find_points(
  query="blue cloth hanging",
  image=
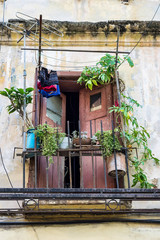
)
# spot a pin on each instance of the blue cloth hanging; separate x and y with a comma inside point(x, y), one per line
point(50, 94)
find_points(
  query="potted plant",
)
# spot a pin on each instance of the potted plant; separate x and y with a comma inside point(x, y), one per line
point(16, 97)
point(50, 138)
point(137, 136)
point(84, 139)
point(103, 72)
point(108, 145)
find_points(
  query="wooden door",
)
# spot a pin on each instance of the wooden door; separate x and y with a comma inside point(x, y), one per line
point(94, 106)
point(53, 111)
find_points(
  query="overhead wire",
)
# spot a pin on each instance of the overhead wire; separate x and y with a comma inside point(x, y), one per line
point(67, 66)
point(66, 60)
point(140, 37)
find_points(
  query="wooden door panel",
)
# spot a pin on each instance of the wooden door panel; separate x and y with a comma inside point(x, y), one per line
point(53, 111)
point(99, 113)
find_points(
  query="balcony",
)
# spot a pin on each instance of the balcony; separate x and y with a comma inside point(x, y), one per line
point(94, 200)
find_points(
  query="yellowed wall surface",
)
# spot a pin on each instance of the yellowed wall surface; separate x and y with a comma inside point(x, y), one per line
point(83, 10)
point(102, 231)
point(142, 83)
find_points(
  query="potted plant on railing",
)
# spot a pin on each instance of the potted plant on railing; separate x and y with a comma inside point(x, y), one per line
point(83, 138)
point(50, 138)
point(17, 97)
point(137, 136)
point(108, 145)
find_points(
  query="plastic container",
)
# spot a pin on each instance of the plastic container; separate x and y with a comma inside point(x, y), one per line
point(31, 139)
point(64, 144)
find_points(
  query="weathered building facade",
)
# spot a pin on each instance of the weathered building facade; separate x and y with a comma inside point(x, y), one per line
point(86, 25)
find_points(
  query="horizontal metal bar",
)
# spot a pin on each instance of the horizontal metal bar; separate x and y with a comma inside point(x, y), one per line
point(73, 212)
point(72, 50)
point(88, 196)
point(79, 190)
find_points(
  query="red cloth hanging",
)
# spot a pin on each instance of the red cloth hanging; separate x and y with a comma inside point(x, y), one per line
point(47, 88)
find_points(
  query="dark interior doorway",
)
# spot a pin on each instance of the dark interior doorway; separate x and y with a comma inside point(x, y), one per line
point(72, 115)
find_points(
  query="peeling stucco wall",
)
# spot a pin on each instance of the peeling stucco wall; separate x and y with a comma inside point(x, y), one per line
point(101, 231)
point(142, 83)
point(83, 10)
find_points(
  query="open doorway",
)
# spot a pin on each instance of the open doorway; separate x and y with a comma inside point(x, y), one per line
point(72, 115)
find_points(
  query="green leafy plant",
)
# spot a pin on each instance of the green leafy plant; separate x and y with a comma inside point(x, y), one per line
point(137, 136)
point(16, 97)
point(103, 72)
point(107, 142)
point(50, 138)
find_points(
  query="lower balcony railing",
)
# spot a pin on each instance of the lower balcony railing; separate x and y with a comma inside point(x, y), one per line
point(95, 192)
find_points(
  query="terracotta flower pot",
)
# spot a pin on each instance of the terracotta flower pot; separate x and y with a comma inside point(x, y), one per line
point(121, 165)
point(84, 141)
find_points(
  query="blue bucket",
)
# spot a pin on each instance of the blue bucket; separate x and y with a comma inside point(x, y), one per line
point(31, 139)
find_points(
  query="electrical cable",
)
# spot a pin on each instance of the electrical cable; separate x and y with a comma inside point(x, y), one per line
point(67, 66)
point(140, 37)
point(66, 60)
point(7, 174)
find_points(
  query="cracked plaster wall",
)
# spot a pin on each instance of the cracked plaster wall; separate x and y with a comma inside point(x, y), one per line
point(83, 10)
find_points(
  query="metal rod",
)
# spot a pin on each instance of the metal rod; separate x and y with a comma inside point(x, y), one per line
point(35, 159)
point(104, 161)
point(40, 40)
point(79, 196)
point(116, 73)
point(93, 169)
point(115, 160)
point(80, 157)
point(126, 158)
point(70, 170)
point(68, 132)
point(71, 50)
point(47, 168)
point(24, 170)
point(24, 104)
point(58, 170)
point(115, 191)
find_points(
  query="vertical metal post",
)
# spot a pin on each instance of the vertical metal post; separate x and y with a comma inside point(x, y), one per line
point(36, 99)
point(68, 132)
point(69, 153)
point(93, 169)
point(47, 183)
point(58, 158)
point(116, 73)
point(80, 157)
point(24, 112)
point(115, 160)
point(126, 158)
point(24, 175)
point(104, 161)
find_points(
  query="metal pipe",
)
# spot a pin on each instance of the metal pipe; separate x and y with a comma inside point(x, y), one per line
point(71, 50)
point(24, 104)
point(119, 220)
point(115, 160)
point(126, 159)
point(104, 161)
point(47, 168)
point(115, 191)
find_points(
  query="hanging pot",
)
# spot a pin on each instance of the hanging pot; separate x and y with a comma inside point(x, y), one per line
point(121, 165)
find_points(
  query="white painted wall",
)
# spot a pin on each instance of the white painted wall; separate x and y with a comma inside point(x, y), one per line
point(83, 10)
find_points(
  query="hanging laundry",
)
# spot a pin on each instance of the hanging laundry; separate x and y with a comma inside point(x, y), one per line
point(47, 88)
point(47, 78)
point(50, 94)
